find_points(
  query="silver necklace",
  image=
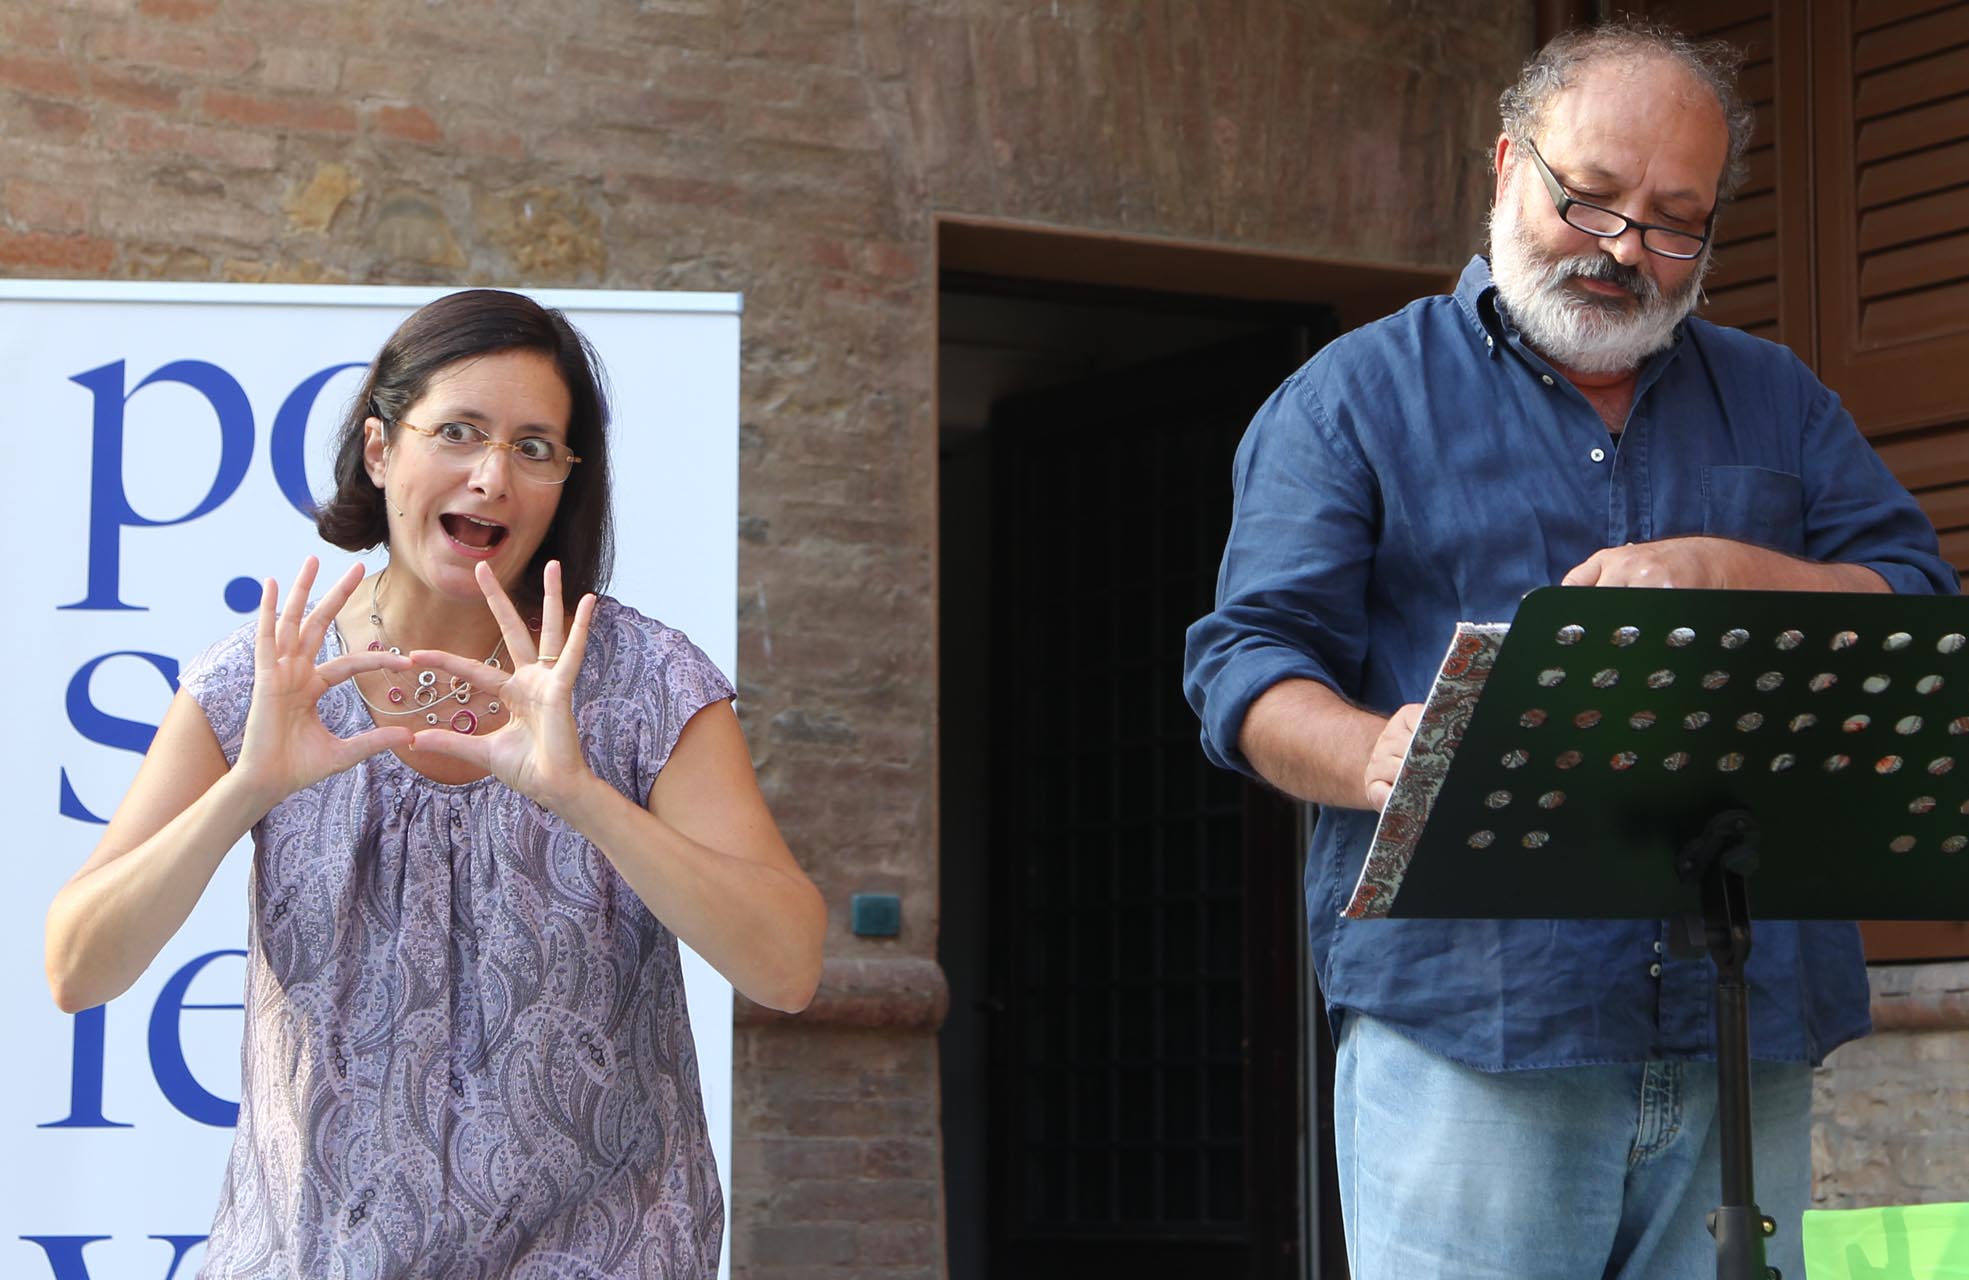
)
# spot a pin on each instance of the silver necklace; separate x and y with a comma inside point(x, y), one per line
point(426, 698)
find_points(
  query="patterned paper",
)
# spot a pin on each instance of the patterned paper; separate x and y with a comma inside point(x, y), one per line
point(1445, 715)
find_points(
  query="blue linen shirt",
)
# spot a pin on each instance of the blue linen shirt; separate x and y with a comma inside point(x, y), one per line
point(1430, 468)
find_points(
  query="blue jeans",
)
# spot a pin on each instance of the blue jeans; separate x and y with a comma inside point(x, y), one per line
point(1573, 1173)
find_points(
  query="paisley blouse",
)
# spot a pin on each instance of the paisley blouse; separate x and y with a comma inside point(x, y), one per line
point(466, 1049)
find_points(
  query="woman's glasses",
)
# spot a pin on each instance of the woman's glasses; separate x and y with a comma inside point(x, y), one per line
point(463, 444)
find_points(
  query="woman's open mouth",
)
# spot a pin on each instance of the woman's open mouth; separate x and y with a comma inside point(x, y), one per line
point(471, 532)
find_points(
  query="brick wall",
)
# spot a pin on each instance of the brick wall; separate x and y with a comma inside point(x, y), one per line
point(796, 151)
point(1891, 1112)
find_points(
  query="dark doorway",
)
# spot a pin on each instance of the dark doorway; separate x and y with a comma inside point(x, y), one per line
point(1133, 1073)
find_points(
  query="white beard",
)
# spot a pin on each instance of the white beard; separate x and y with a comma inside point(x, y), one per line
point(1575, 330)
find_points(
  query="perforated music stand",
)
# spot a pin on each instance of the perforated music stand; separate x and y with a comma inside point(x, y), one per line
point(1638, 754)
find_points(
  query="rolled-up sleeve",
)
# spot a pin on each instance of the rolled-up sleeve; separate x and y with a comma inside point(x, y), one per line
point(1292, 590)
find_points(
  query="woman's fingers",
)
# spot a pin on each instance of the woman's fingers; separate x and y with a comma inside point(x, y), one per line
point(263, 637)
point(360, 746)
point(519, 642)
point(287, 630)
point(477, 673)
point(338, 669)
point(315, 626)
point(552, 610)
point(460, 746)
point(576, 648)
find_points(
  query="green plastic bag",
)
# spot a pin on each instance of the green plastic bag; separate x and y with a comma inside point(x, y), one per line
point(1900, 1242)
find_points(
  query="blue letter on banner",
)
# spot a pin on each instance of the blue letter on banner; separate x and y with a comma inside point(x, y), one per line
point(104, 729)
point(85, 1081)
point(167, 1050)
point(109, 506)
point(65, 1253)
point(290, 437)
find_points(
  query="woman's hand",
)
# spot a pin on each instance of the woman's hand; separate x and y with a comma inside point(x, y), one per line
point(286, 747)
point(702, 852)
point(537, 752)
point(187, 808)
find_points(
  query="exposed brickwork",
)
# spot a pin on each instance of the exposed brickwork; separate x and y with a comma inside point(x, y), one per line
point(41, 206)
point(825, 1190)
point(797, 151)
point(409, 124)
point(35, 252)
point(1891, 1112)
point(166, 46)
point(304, 113)
point(178, 10)
point(44, 75)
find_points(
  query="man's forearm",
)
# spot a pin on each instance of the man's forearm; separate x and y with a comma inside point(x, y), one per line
point(1780, 572)
point(1311, 743)
point(1703, 561)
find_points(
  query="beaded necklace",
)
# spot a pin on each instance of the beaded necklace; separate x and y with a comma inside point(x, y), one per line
point(426, 698)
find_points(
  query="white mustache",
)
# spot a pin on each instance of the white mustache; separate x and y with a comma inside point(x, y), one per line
point(1599, 267)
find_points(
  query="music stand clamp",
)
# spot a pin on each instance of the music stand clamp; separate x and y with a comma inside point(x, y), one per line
point(1637, 754)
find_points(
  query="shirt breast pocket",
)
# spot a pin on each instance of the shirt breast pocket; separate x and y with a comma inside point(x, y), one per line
point(1756, 505)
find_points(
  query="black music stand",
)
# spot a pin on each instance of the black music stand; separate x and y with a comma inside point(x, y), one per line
point(1639, 754)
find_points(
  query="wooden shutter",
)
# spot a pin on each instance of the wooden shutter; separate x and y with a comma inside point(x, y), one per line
point(1892, 144)
point(1761, 280)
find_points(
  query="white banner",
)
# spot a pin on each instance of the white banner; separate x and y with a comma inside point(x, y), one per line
point(162, 441)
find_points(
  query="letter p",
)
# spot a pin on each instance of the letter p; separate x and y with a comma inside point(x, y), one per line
point(109, 506)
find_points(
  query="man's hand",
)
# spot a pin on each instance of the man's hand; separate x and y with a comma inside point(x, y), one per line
point(1716, 563)
point(1313, 744)
point(1672, 562)
point(1385, 760)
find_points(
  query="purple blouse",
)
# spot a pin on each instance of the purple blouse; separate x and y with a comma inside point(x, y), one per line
point(466, 1050)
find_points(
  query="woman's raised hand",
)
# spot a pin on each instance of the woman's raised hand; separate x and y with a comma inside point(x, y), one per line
point(537, 752)
point(286, 746)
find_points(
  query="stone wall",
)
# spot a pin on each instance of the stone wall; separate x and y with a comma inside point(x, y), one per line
point(1891, 1112)
point(799, 152)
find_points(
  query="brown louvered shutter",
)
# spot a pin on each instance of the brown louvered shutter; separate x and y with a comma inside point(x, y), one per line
point(1892, 143)
point(1761, 281)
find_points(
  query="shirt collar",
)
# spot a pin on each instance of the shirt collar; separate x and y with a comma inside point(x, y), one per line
point(1476, 297)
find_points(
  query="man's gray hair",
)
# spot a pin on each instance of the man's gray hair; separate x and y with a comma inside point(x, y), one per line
point(1713, 63)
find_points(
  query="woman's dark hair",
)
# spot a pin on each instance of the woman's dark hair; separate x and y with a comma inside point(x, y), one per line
point(461, 326)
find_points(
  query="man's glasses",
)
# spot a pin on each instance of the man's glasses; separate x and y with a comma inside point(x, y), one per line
point(462, 444)
point(1668, 242)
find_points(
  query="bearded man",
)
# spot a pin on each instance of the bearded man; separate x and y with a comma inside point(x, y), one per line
point(1521, 1099)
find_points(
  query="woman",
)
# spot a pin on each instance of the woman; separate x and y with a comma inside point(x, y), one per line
point(479, 827)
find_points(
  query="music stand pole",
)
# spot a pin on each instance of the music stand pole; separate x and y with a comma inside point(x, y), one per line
point(1720, 861)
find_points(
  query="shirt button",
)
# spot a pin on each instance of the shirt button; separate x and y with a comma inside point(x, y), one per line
point(1545, 378)
point(1489, 341)
point(1657, 948)
point(1599, 455)
point(1654, 971)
